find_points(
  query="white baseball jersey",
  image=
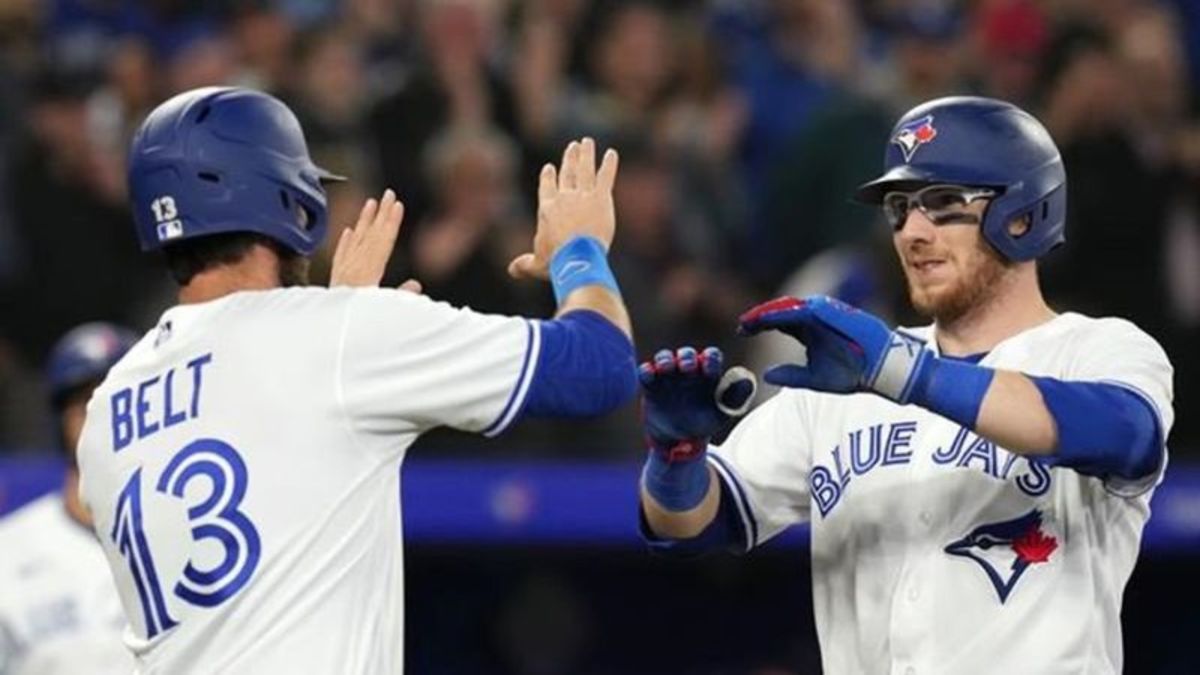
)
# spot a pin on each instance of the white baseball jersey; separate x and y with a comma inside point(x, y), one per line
point(59, 610)
point(242, 463)
point(934, 550)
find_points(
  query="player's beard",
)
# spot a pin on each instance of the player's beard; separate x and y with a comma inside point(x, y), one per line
point(983, 279)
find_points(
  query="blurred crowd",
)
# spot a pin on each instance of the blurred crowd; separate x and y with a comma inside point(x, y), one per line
point(742, 125)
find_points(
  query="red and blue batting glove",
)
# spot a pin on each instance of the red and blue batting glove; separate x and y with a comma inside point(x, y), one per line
point(687, 398)
point(851, 350)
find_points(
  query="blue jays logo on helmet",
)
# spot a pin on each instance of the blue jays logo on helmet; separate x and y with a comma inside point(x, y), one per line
point(85, 355)
point(913, 135)
point(1006, 549)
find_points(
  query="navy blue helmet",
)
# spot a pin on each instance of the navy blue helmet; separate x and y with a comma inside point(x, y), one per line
point(85, 355)
point(226, 159)
point(982, 142)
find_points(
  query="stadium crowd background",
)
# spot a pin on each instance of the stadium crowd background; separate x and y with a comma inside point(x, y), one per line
point(743, 127)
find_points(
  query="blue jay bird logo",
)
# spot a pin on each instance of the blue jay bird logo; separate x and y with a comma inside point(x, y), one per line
point(915, 134)
point(1005, 550)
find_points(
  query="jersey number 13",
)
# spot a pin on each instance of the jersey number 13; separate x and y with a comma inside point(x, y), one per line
point(216, 517)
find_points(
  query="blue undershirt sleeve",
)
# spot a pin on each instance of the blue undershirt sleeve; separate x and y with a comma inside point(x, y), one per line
point(585, 368)
point(1103, 429)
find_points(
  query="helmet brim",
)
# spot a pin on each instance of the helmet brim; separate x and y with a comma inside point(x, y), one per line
point(903, 177)
point(326, 176)
point(907, 177)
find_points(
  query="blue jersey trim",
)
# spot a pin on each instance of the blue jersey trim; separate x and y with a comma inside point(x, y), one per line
point(749, 524)
point(516, 400)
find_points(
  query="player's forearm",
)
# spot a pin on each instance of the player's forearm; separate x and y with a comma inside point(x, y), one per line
point(1014, 416)
point(602, 301)
point(686, 524)
point(1098, 428)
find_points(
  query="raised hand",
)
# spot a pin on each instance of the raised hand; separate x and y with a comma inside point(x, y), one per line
point(848, 349)
point(573, 200)
point(363, 250)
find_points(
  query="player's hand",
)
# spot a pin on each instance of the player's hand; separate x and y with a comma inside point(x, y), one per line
point(573, 200)
point(363, 250)
point(848, 349)
point(688, 397)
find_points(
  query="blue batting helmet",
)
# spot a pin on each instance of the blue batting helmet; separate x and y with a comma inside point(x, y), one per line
point(85, 355)
point(982, 142)
point(225, 159)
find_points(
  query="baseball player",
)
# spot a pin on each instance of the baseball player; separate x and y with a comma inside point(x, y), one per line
point(976, 488)
point(241, 462)
point(59, 610)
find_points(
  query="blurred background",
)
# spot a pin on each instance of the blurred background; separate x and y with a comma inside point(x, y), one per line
point(743, 127)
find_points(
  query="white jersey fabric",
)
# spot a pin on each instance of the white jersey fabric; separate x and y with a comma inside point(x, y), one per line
point(242, 465)
point(933, 550)
point(59, 610)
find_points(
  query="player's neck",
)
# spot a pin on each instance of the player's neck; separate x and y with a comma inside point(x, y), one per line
point(71, 502)
point(257, 271)
point(1013, 308)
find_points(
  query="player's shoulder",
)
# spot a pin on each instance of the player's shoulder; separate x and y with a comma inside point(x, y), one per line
point(292, 317)
point(315, 302)
point(1077, 328)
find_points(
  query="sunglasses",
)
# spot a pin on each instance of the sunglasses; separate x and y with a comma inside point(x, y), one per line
point(942, 204)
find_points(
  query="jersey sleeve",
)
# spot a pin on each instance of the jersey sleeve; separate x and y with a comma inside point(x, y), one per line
point(1117, 352)
point(765, 463)
point(407, 363)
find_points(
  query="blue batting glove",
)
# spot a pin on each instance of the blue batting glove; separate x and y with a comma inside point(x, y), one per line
point(688, 398)
point(849, 350)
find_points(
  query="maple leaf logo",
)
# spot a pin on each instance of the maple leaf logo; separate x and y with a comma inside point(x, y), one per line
point(1034, 546)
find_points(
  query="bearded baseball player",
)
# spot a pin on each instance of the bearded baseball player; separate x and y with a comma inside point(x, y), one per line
point(242, 461)
point(976, 488)
point(59, 610)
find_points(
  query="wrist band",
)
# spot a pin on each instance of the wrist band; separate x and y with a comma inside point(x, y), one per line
point(580, 262)
point(678, 485)
point(952, 389)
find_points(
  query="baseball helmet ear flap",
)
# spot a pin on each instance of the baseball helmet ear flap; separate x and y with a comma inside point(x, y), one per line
point(1041, 201)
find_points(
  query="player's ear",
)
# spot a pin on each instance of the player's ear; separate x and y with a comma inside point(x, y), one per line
point(1019, 227)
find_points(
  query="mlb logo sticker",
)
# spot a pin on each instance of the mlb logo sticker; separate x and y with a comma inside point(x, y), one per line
point(915, 134)
point(170, 230)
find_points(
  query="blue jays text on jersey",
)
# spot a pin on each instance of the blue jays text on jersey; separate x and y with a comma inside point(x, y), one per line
point(883, 445)
point(133, 408)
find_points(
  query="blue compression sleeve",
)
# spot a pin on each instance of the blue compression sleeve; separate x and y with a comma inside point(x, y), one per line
point(725, 533)
point(585, 368)
point(1103, 429)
